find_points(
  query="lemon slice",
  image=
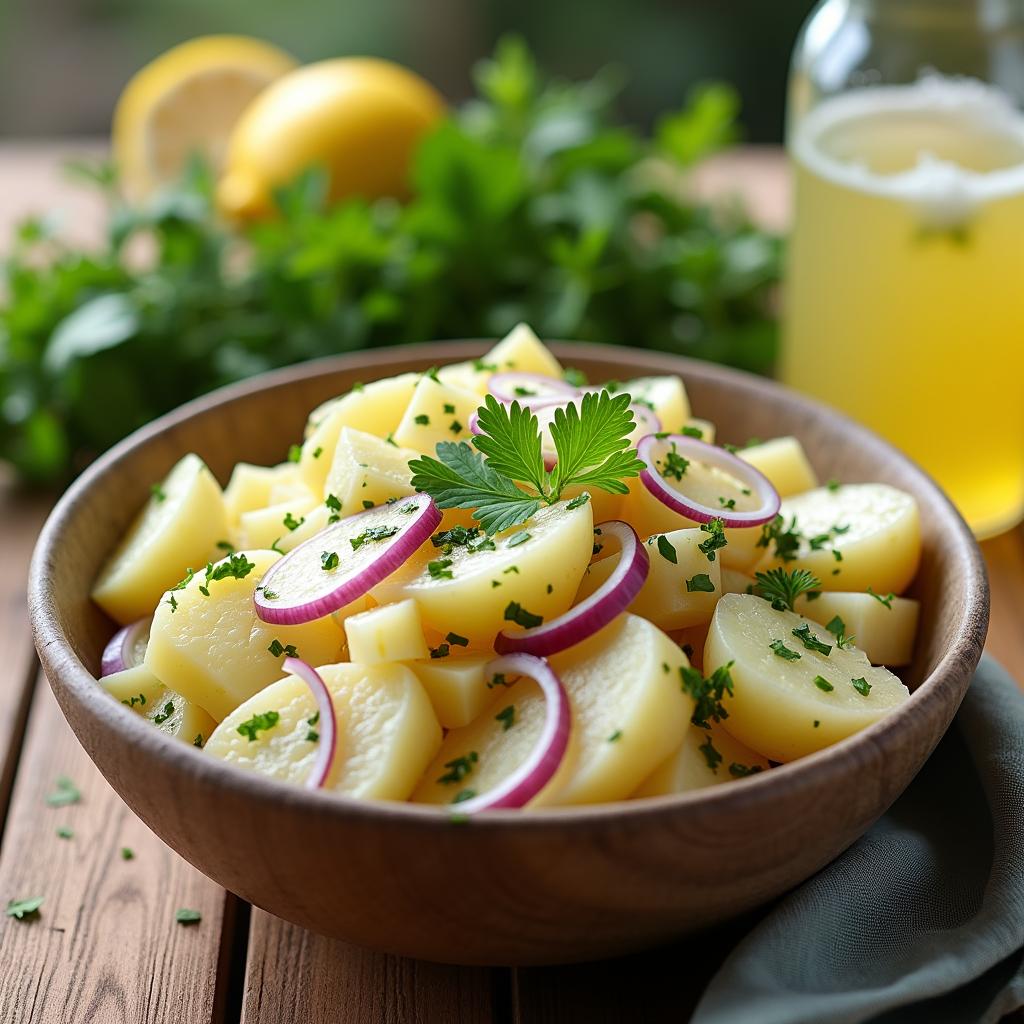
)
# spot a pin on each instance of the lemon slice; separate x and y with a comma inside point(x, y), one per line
point(186, 102)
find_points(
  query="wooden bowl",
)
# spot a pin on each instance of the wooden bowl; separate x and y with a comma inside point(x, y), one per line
point(509, 887)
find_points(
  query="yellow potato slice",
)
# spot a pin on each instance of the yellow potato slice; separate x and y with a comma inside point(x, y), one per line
point(457, 686)
point(521, 349)
point(390, 632)
point(880, 542)
point(180, 525)
point(884, 626)
point(706, 757)
point(785, 463)
point(736, 582)
point(250, 488)
point(169, 711)
point(387, 731)
point(538, 566)
point(664, 396)
point(372, 408)
point(436, 412)
point(215, 651)
point(471, 375)
point(777, 708)
point(313, 521)
point(367, 471)
point(267, 527)
point(675, 594)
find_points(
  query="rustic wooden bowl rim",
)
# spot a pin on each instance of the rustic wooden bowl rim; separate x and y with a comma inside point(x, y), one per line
point(67, 672)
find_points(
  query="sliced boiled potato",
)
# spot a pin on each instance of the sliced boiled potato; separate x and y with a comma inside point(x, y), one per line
point(736, 582)
point(470, 588)
point(367, 471)
point(706, 757)
point(786, 707)
point(470, 375)
point(250, 487)
point(180, 525)
point(290, 486)
point(785, 463)
point(682, 586)
point(436, 412)
point(457, 686)
point(170, 712)
point(884, 626)
point(664, 396)
point(372, 408)
point(389, 632)
point(874, 528)
point(215, 651)
point(521, 349)
point(387, 731)
point(313, 521)
point(629, 711)
point(649, 516)
point(267, 527)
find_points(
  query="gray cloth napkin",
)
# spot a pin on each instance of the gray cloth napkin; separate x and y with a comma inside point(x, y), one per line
point(922, 920)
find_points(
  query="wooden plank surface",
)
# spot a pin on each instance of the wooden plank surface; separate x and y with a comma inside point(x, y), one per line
point(104, 946)
point(294, 975)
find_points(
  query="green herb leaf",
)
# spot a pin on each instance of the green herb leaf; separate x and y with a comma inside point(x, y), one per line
point(810, 641)
point(782, 588)
point(666, 550)
point(507, 717)
point(861, 685)
point(515, 612)
point(257, 724)
point(22, 909)
point(823, 684)
point(700, 584)
point(66, 792)
point(186, 916)
point(780, 648)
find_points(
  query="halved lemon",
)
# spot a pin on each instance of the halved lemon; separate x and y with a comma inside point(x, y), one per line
point(187, 102)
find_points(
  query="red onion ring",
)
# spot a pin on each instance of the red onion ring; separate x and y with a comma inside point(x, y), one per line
point(593, 613)
point(718, 458)
point(126, 648)
point(315, 592)
point(544, 760)
point(326, 724)
point(504, 387)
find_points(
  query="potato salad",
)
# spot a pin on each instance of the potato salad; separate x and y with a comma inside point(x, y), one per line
point(495, 584)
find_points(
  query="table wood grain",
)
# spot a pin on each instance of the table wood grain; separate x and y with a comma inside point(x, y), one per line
point(105, 946)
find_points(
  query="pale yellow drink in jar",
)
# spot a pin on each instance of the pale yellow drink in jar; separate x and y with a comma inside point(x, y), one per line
point(905, 291)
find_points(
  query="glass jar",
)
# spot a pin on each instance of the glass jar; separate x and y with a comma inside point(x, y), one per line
point(905, 285)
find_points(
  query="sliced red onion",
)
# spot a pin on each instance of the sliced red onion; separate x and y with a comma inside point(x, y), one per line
point(298, 588)
point(595, 612)
point(528, 388)
point(326, 725)
point(718, 458)
point(539, 768)
point(127, 648)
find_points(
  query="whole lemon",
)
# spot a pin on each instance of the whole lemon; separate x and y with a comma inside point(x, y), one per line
point(359, 118)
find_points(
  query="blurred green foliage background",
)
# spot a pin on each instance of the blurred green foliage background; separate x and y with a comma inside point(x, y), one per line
point(63, 62)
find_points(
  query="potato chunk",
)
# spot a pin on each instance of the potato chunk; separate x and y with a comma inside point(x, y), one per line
point(706, 757)
point(521, 349)
point(457, 686)
point(215, 651)
point(436, 412)
point(665, 396)
point(180, 525)
point(676, 593)
point(874, 528)
point(367, 471)
point(789, 700)
point(267, 527)
point(470, 588)
point(372, 408)
point(784, 462)
point(884, 628)
point(470, 375)
point(169, 711)
point(387, 732)
point(250, 488)
point(390, 632)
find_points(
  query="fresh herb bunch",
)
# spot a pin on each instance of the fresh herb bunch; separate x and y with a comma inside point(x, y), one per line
point(532, 203)
point(511, 483)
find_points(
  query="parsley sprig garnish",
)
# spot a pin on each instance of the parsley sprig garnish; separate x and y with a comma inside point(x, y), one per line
point(505, 480)
point(782, 588)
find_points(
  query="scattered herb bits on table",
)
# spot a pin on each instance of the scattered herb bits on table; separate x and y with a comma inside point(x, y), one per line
point(493, 584)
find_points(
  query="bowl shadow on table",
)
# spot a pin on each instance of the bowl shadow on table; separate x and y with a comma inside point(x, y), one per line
point(563, 885)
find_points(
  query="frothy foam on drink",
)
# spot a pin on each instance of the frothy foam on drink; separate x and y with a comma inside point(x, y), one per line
point(944, 193)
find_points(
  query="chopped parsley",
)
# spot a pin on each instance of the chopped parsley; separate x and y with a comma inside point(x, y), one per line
point(516, 613)
point(440, 651)
point(577, 378)
point(21, 909)
point(716, 539)
point(711, 754)
point(294, 453)
point(707, 693)
point(688, 431)
point(367, 504)
point(780, 648)
point(741, 771)
point(277, 649)
point(810, 641)
point(700, 584)
point(615, 736)
point(162, 716)
point(727, 503)
point(158, 493)
point(861, 685)
point(226, 546)
point(455, 427)
point(519, 538)
point(579, 501)
point(258, 723)
point(887, 601)
point(133, 700)
point(65, 793)
point(837, 628)
point(198, 740)
point(234, 567)
point(507, 717)
point(439, 570)
point(186, 916)
point(459, 768)
point(334, 507)
point(782, 588)
point(457, 641)
point(498, 679)
point(422, 420)
point(373, 533)
point(317, 452)
point(823, 684)
point(674, 465)
point(329, 560)
point(449, 409)
point(65, 833)
point(127, 853)
point(786, 541)
point(173, 602)
point(462, 796)
point(666, 550)
point(291, 523)
point(833, 485)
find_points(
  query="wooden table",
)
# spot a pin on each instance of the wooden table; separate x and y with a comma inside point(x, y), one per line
point(106, 947)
